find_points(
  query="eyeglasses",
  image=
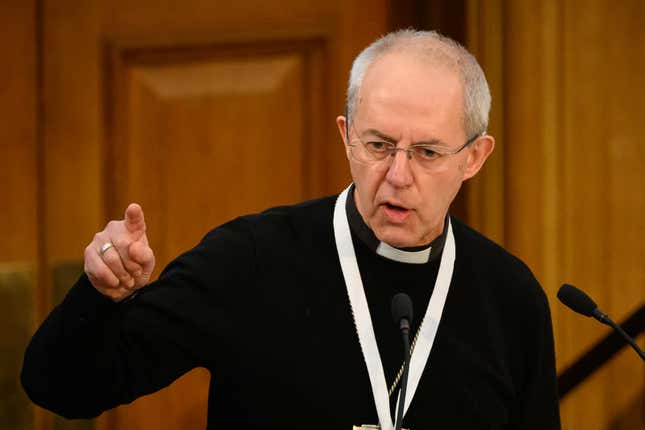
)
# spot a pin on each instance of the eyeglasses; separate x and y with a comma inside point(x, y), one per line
point(426, 156)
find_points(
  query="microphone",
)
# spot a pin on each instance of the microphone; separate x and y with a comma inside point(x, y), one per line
point(402, 311)
point(581, 303)
point(402, 315)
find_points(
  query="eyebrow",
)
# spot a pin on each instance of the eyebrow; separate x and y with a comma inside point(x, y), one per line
point(385, 137)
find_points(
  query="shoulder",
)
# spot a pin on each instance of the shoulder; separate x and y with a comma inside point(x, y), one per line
point(238, 251)
point(275, 231)
point(480, 250)
point(293, 222)
point(500, 274)
point(320, 208)
point(276, 218)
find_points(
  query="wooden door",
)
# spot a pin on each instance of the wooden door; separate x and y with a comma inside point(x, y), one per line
point(198, 110)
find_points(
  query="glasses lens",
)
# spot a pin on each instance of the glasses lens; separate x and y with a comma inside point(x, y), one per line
point(370, 152)
point(425, 154)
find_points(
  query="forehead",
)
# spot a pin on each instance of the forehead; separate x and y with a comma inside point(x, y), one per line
point(404, 94)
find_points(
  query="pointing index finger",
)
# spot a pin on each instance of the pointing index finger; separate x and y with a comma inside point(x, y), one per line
point(134, 220)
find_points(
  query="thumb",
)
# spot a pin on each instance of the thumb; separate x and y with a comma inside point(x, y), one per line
point(134, 220)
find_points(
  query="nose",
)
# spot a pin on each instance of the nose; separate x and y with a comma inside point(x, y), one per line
point(399, 174)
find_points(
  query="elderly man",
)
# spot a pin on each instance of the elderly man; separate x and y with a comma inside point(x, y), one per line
point(290, 308)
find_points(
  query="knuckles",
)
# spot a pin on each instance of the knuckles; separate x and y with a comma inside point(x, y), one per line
point(110, 257)
point(122, 243)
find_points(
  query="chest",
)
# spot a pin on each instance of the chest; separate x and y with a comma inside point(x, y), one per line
point(302, 350)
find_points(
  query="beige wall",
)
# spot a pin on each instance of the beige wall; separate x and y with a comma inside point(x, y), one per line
point(565, 189)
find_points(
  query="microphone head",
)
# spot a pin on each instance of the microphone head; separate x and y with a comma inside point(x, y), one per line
point(577, 300)
point(401, 308)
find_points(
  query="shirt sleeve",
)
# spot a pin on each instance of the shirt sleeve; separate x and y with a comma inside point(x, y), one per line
point(92, 354)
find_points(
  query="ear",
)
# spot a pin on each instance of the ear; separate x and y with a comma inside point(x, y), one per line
point(478, 152)
point(341, 122)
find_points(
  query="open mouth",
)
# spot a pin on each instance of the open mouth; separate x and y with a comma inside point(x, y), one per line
point(396, 214)
point(394, 207)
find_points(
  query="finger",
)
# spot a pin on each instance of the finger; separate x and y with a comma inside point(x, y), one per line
point(134, 220)
point(97, 271)
point(122, 246)
point(143, 255)
point(113, 261)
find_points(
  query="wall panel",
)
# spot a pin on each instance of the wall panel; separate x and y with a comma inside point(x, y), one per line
point(573, 78)
point(201, 111)
point(485, 193)
point(18, 146)
point(19, 179)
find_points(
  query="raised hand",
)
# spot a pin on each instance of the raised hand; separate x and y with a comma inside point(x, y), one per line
point(118, 261)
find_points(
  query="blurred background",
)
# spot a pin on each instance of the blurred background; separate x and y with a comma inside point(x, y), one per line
point(201, 110)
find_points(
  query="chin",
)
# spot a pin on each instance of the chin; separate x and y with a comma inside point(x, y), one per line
point(397, 237)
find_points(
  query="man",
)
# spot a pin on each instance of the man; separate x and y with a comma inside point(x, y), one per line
point(290, 308)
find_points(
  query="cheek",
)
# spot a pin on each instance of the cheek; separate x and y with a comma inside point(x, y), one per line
point(367, 181)
point(438, 195)
point(365, 177)
point(357, 174)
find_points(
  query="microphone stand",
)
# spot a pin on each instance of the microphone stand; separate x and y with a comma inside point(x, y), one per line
point(604, 318)
point(405, 332)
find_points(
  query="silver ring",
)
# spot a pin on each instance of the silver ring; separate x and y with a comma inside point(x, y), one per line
point(105, 247)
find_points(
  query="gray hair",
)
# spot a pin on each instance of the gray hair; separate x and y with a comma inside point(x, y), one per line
point(437, 48)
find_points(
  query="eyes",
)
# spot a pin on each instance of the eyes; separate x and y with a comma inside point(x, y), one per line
point(379, 146)
point(376, 149)
point(383, 149)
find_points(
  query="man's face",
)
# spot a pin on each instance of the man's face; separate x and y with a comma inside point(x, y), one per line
point(408, 102)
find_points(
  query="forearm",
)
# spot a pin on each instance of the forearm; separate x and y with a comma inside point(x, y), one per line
point(68, 366)
point(92, 354)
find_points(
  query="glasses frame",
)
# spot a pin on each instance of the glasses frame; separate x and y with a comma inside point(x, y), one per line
point(410, 150)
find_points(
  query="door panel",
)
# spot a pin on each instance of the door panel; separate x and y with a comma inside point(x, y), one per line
point(218, 131)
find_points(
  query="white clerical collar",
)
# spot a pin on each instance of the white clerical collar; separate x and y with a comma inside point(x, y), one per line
point(411, 257)
point(418, 255)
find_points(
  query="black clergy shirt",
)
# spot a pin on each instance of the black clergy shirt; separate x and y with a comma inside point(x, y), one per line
point(261, 303)
point(416, 280)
